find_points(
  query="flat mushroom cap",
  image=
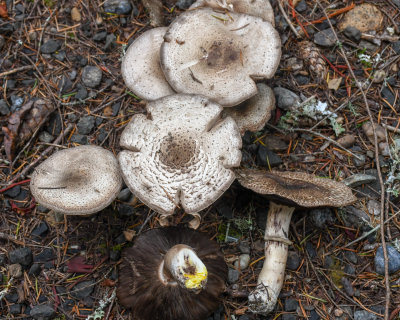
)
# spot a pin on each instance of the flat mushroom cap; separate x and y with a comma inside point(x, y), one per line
point(258, 8)
point(297, 188)
point(219, 55)
point(141, 68)
point(254, 113)
point(180, 154)
point(77, 181)
point(139, 287)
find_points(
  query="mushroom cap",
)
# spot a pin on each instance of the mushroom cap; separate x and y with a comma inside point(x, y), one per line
point(141, 68)
point(180, 153)
point(77, 181)
point(258, 8)
point(296, 188)
point(254, 113)
point(140, 289)
point(219, 55)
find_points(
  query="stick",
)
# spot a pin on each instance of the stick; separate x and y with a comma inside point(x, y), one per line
point(23, 68)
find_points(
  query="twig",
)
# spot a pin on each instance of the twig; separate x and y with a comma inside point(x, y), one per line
point(288, 20)
point(10, 238)
point(390, 128)
point(149, 216)
point(378, 167)
point(5, 290)
point(23, 68)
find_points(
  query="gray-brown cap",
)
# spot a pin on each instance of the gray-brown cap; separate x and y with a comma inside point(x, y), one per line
point(219, 55)
point(258, 8)
point(141, 68)
point(77, 181)
point(254, 113)
point(180, 154)
point(296, 188)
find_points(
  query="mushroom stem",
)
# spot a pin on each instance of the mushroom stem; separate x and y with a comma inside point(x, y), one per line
point(269, 284)
point(183, 265)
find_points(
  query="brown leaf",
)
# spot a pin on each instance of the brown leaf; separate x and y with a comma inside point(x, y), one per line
point(3, 10)
point(108, 283)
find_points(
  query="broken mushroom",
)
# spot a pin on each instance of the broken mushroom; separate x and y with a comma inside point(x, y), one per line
point(219, 55)
point(171, 274)
point(77, 181)
point(254, 113)
point(286, 190)
point(180, 154)
point(141, 68)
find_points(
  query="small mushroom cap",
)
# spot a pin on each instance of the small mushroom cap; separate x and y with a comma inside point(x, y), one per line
point(180, 154)
point(77, 181)
point(140, 288)
point(141, 68)
point(218, 55)
point(296, 188)
point(254, 113)
point(258, 8)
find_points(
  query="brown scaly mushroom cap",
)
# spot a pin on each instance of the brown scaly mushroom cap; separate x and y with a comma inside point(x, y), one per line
point(219, 55)
point(141, 68)
point(258, 8)
point(254, 113)
point(180, 154)
point(77, 181)
point(148, 287)
point(287, 190)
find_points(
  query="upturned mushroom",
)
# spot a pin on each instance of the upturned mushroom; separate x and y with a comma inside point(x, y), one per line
point(141, 68)
point(77, 181)
point(171, 274)
point(180, 154)
point(253, 114)
point(286, 190)
point(219, 55)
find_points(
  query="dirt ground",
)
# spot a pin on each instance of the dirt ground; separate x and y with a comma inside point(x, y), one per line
point(345, 83)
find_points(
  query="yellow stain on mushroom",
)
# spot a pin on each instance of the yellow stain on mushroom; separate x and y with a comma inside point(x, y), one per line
point(197, 279)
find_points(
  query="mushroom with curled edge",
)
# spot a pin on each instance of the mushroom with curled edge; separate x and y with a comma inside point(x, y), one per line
point(258, 8)
point(286, 190)
point(141, 68)
point(253, 114)
point(77, 181)
point(219, 54)
point(180, 154)
point(171, 274)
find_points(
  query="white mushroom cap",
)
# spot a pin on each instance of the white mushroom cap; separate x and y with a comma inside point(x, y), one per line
point(254, 113)
point(141, 68)
point(258, 8)
point(218, 55)
point(77, 181)
point(180, 154)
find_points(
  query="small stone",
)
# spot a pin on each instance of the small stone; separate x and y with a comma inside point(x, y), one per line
point(379, 76)
point(267, 158)
point(356, 218)
point(117, 6)
point(325, 38)
point(82, 289)
point(286, 99)
point(358, 179)
point(45, 137)
point(15, 308)
point(100, 36)
point(364, 315)
point(12, 297)
point(388, 96)
point(311, 250)
point(15, 270)
point(81, 94)
point(75, 14)
point(301, 6)
point(115, 255)
point(4, 109)
point(16, 102)
point(2, 260)
point(85, 125)
point(2, 42)
point(60, 55)
point(244, 247)
point(126, 210)
point(79, 138)
point(374, 207)
point(65, 85)
point(393, 259)
point(125, 195)
point(322, 217)
point(347, 286)
point(275, 144)
point(352, 33)
point(35, 270)
point(50, 46)
point(83, 61)
point(396, 47)
point(365, 17)
point(347, 140)
point(46, 255)
point(314, 315)
point(115, 109)
point(41, 230)
point(184, 4)
point(22, 256)
point(243, 261)
point(13, 192)
point(302, 80)
point(233, 276)
point(28, 82)
point(293, 261)
point(289, 316)
point(338, 312)
point(349, 269)
point(291, 305)
point(42, 312)
point(351, 256)
point(110, 42)
point(91, 76)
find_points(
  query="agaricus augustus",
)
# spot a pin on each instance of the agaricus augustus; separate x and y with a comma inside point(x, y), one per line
point(253, 114)
point(286, 190)
point(171, 274)
point(141, 68)
point(77, 181)
point(219, 54)
point(180, 154)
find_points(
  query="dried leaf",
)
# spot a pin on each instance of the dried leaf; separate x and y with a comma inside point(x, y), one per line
point(77, 264)
point(334, 84)
point(3, 10)
point(108, 283)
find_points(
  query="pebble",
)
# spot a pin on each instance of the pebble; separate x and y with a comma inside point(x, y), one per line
point(301, 6)
point(16, 102)
point(286, 99)
point(110, 42)
point(293, 261)
point(379, 76)
point(22, 256)
point(79, 138)
point(233, 276)
point(338, 312)
point(351, 256)
point(15, 308)
point(45, 137)
point(393, 258)
point(100, 36)
point(4, 109)
point(117, 6)
point(40, 230)
point(42, 312)
point(347, 286)
point(65, 85)
point(13, 192)
point(60, 55)
point(388, 95)
point(356, 218)
point(322, 217)
point(311, 250)
point(2, 260)
point(244, 247)
point(302, 80)
point(291, 305)
point(184, 4)
point(384, 149)
point(314, 315)
point(50, 46)
point(125, 195)
point(325, 38)
point(275, 144)
point(91, 76)
point(115, 255)
point(373, 189)
point(364, 315)
point(374, 207)
point(115, 109)
point(82, 289)
point(82, 92)
point(358, 179)
point(347, 140)
point(365, 17)
point(35, 270)
point(46, 255)
point(125, 210)
point(243, 261)
point(396, 47)
point(267, 158)
point(352, 33)
point(289, 316)
point(85, 125)
point(15, 270)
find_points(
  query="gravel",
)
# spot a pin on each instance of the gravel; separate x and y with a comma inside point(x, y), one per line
point(352, 33)
point(325, 38)
point(233, 276)
point(50, 46)
point(22, 256)
point(286, 99)
point(42, 312)
point(86, 124)
point(91, 76)
point(393, 258)
point(82, 289)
